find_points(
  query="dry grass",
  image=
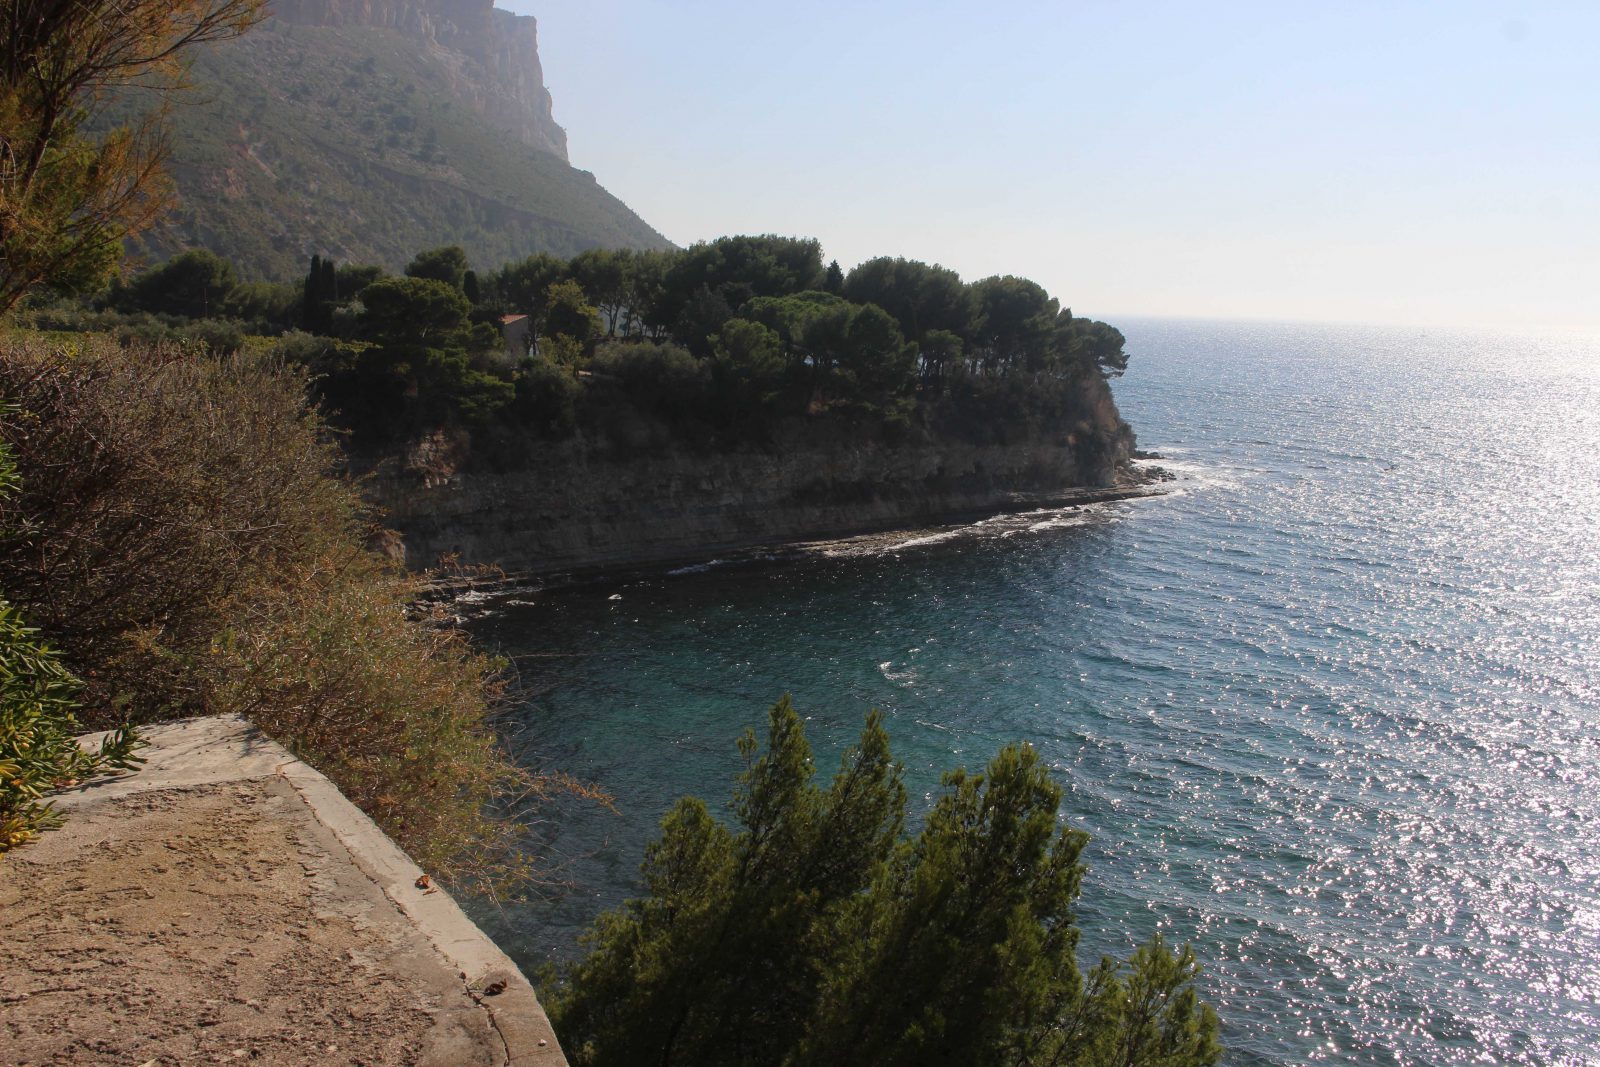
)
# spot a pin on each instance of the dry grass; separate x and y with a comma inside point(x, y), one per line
point(181, 535)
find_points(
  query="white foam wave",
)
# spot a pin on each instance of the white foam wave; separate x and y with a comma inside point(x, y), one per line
point(905, 678)
point(696, 568)
point(1193, 473)
point(937, 538)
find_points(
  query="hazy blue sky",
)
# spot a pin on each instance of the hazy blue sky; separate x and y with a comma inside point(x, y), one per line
point(1431, 163)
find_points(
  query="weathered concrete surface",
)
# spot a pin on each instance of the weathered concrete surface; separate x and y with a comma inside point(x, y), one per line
point(228, 904)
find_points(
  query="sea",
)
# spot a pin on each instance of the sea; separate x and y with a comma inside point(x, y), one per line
point(1329, 708)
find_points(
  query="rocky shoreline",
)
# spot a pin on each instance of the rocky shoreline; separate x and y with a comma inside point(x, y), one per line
point(479, 584)
point(575, 508)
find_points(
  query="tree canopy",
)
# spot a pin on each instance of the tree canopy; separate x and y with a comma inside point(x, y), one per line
point(447, 264)
point(414, 367)
point(894, 348)
point(196, 285)
point(817, 932)
point(67, 198)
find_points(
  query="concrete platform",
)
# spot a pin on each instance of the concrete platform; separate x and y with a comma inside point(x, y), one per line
point(227, 904)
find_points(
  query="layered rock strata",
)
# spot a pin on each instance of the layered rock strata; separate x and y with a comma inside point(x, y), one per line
point(492, 55)
point(575, 508)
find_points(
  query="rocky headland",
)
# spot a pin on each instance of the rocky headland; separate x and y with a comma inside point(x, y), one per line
point(577, 507)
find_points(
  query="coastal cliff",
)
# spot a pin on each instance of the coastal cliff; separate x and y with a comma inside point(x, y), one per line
point(575, 506)
point(491, 57)
point(367, 130)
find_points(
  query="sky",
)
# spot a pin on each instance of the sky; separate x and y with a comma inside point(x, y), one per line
point(1433, 164)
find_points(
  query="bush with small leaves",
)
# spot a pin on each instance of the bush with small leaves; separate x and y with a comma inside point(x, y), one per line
point(38, 721)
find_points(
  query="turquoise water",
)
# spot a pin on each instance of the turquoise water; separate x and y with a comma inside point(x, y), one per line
point(1331, 709)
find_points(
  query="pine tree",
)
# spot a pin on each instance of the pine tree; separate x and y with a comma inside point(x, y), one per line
point(833, 280)
point(817, 934)
point(69, 196)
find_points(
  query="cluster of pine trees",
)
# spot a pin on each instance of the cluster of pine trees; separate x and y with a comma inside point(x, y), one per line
point(714, 345)
point(820, 932)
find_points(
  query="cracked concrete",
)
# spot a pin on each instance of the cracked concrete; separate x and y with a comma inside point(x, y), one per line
point(227, 904)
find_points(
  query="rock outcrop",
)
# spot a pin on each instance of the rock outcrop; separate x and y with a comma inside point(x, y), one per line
point(574, 507)
point(492, 55)
point(368, 130)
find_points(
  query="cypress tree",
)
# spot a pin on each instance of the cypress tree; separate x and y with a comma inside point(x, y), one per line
point(310, 298)
point(328, 283)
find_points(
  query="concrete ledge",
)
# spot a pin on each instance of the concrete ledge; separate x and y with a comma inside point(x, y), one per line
point(194, 755)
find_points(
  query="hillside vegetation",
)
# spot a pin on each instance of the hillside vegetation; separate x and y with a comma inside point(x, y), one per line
point(353, 142)
point(717, 347)
point(175, 530)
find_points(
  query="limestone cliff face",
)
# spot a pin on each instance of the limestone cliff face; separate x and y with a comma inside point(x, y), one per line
point(577, 508)
point(492, 55)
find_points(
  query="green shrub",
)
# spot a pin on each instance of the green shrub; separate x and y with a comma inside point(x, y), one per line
point(817, 933)
point(37, 724)
point(194, 284)
point(37, 750)
point(661, 379)
point(546, 401)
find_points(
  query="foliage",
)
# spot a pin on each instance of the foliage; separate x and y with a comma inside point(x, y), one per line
point(38, 722)
point(319, 295)
point(269, 305)
point(833, 279)
point(747, 372)
point(400, 313)
point(351, 278)
point(546, 400)
point(68, 198)
point(447, 264)
point(876, 367)
point(1095, 343)
point(181, 536)
point(663, 380)
point(922, 298)
point(37, 726)
point(602, 276)
point(722, 274)
point(524, 286)
point(568, 314)
point(421, 341)
point(220, 336)
point(195, 285)
point(1013, 324)
point(903, 350)
point(818, 933)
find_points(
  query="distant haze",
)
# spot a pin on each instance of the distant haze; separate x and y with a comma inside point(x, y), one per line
point(1431, 164)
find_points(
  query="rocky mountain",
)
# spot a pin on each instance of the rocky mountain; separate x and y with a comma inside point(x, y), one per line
point(490, 57)
point(367, 130)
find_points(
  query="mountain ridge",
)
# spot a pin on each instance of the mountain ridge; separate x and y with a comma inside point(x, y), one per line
point(504, 45)
point(367, 130)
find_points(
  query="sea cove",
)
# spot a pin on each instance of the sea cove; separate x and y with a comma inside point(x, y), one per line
point(1328, 708)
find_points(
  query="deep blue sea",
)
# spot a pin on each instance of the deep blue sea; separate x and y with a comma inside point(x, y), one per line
point(1330, 709)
